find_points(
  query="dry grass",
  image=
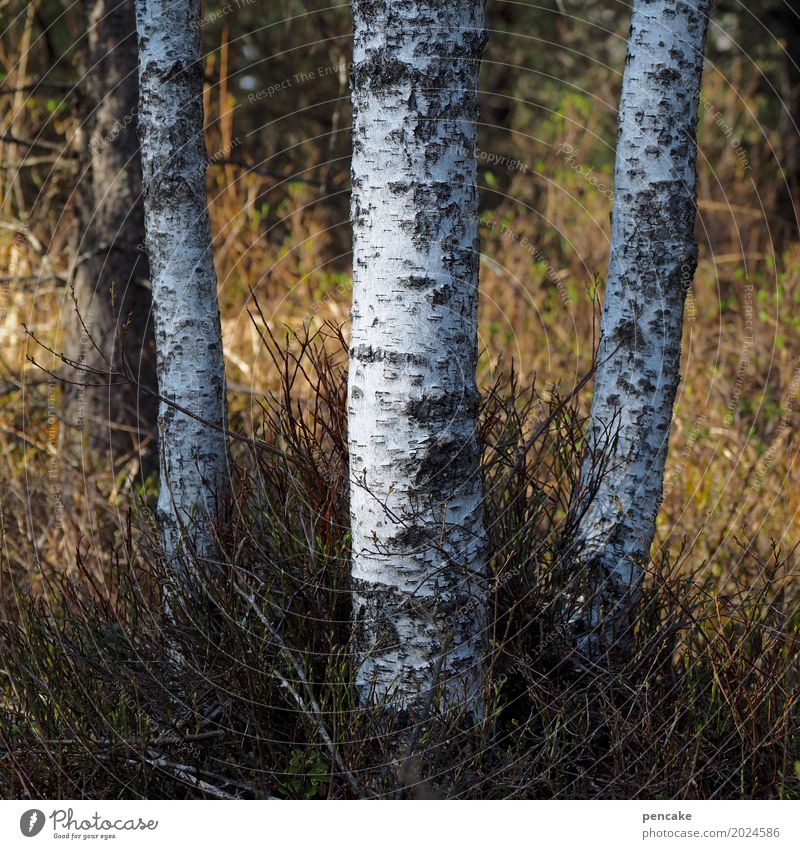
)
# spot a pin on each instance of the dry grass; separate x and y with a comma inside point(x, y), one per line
point(706, 708)
point(259, 700)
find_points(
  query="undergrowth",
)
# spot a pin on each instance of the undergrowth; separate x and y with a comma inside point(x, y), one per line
point(248, 691)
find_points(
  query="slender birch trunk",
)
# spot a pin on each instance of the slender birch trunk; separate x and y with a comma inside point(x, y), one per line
point(653, 260)
point(418, 548)
point(193, 454)
point(112, 289)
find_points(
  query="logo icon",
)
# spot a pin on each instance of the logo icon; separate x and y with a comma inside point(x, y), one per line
point(31, 822)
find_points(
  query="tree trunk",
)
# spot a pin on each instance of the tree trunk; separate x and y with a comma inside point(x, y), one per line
point(191, 376)
point(653, 259)
point(112, 276)
point(418, 548)
point(785, 18)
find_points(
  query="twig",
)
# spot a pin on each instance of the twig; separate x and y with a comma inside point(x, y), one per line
point(266, 172)
point(298, 670)
point(37, 85)
point(186, 774)
point(31, 162)
point(129, 378)
point(32, 143)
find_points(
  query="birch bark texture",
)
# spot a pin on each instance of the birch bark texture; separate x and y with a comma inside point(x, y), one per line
point(418, 544)
point(191, 376)
point(652, 264)
point(113, 323)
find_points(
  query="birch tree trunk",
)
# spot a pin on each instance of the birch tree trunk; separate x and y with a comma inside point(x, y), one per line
point(193, 454)
point(113, 321)
point(418, 547)
point(653, 260)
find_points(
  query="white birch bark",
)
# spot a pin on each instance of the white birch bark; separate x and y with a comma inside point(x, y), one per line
point(418, 548)
point(653, 260)
point(193, 456)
